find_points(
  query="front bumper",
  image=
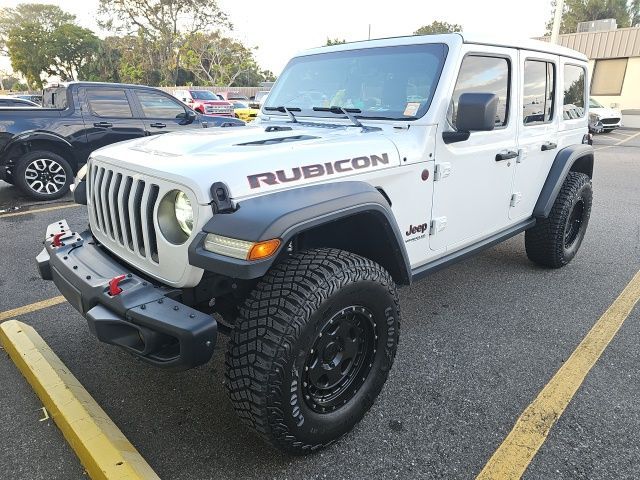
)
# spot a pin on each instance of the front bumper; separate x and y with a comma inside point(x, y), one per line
point(144, 319)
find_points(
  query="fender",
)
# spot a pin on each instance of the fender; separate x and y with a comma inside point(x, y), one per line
point(23, 138)
point(577, 158)
point(288, 213)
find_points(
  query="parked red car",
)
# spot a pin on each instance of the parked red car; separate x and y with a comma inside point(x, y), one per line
point(206, 102)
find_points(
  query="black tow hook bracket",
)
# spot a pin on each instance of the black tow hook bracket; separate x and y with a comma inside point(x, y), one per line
point(220, 198)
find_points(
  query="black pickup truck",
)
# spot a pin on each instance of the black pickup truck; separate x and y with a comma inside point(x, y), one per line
point(41, 149)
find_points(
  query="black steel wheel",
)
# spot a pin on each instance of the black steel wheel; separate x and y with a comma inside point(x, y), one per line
point(312, 348)
point(340, 360)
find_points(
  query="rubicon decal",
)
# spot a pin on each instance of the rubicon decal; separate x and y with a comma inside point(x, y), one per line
point(316, 170)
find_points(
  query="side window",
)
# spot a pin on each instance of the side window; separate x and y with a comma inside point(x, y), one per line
point(483, 75)
point(107, 102)
point(155, 105)
point(574, 104)
point(538, 92)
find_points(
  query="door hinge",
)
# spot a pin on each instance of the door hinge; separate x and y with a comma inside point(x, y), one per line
point(515, 199)
point(437, 225)
point(522, 154)
point(442, 170)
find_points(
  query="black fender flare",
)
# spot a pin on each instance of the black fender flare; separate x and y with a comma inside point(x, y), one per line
point(14, 148)
point(288, 213)
point(573, 158)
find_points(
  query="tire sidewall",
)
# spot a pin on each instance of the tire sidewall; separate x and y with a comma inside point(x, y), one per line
point(584, 193)
point(312, 427)
point(20, 180)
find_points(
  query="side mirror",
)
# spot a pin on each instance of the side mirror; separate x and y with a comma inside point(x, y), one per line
point(188, 117)
point(476, 113)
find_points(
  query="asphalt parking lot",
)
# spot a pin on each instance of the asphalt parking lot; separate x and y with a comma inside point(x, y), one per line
point(478, 342)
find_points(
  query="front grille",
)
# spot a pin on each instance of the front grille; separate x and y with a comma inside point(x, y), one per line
point(219, 110)
point(610, 121)
point(122, 207)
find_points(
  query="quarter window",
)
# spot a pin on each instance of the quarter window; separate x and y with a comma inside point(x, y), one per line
point(538, 92)
point(480, 74)
point(573, 104)
point(106, 102)
point(155, 105)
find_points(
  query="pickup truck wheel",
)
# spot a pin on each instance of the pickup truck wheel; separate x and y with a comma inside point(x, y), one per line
point(554, 241)
point(312, 348)
point(43, 175)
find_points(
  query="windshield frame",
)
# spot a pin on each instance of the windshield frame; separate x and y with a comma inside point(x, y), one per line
point(370, 115)
point(596, 103)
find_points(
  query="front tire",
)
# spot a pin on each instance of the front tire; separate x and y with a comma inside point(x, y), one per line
point(554, 241)
point(43, 175)
point(312, 348)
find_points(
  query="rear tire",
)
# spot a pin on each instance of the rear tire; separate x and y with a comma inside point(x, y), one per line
point(312, 348)
point(554, 241)
point(43, 175)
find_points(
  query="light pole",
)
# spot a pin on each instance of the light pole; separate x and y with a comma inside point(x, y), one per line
point(557, 20)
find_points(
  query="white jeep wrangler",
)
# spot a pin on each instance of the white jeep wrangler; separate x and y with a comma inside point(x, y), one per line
point(372, 164)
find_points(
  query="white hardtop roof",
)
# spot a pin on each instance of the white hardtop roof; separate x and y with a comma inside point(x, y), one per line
point(452, 39)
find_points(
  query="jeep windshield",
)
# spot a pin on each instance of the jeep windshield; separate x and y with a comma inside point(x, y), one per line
point(390, 83)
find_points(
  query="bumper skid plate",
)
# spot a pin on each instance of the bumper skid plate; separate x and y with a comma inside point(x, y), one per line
point(144, 319)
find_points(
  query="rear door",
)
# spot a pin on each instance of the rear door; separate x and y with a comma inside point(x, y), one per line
point(161, 113)
point(538, 121)
point(473, 178)
point(108, 116)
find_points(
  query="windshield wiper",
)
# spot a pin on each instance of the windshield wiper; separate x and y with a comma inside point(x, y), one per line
point(342, 111)
point(287, 110)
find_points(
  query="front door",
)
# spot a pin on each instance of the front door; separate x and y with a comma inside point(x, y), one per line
point(473, 180)
point(162, 113)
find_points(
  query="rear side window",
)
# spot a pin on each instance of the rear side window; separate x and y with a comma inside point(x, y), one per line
point(538, 92)
point(480, 74)
point(107, 102)
point(574, 97)
point(155, 105)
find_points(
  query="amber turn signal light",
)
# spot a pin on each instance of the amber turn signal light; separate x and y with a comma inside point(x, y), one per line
point(262, 250)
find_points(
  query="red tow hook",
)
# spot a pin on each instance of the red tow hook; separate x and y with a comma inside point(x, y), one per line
point(56, 239)
point(114, 289)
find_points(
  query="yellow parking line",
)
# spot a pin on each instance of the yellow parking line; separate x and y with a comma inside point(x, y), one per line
point(39, 210)
point(515, 453)
point(16, 312)
point(102, 448)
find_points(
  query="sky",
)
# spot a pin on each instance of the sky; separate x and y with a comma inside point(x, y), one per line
point(281, 28)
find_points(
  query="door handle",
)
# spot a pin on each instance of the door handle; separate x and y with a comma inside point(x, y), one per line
point(103, 124)
point(157, 125)
point(548, 146)
point(506, 155)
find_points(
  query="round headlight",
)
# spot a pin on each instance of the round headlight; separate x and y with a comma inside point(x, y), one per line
point(184, 212)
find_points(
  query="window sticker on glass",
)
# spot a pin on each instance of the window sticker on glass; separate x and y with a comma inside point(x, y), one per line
point(411, 109)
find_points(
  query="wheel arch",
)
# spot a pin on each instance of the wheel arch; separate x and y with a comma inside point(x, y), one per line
point(34, 141)
point(353, 216)
point(575, 158)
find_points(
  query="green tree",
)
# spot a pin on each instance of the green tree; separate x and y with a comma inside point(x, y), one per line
point(334, 41)
point(436, 27)
point(216, 59)
point(48, 17)
point(165, 24)
point(70, 47)
point(27, 44)
point(576, 11)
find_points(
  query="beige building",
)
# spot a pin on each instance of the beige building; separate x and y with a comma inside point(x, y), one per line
point(614, 62)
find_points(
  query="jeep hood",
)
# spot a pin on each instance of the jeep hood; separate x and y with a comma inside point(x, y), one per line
point(255, 159)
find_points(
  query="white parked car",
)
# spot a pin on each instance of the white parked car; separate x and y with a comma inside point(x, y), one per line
point(371, 165)
point(603, 119)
